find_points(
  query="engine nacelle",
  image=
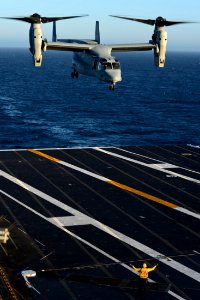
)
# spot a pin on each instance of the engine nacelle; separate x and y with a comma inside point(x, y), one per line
point(36, 43)
point(160, 40)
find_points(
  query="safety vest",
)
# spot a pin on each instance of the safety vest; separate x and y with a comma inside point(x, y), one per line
point(144, 273)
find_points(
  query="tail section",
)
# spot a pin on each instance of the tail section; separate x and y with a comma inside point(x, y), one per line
point(97, 33)
point(54, 35)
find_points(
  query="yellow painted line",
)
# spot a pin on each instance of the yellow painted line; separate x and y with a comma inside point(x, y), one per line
point(44, 155)
point(142, 194)
point(114, 183)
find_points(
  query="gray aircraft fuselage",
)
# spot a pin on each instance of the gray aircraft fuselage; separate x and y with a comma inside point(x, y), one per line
point(99, 63)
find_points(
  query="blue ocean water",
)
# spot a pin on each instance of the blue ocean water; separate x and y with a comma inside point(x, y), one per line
point(44, 107)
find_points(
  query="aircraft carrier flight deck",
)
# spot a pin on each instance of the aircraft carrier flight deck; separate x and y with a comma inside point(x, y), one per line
point(88, 213)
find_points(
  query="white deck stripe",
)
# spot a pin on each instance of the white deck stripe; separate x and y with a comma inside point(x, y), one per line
point(72, 220)
point(41, 194)
point(57, 224)
point(102, 178)
point(135, 244)
point(137, 154)
point(152, 166)
point(188, 212)
point(163, 166)
point(77, 214)
point(175, 295)
point(160, 161)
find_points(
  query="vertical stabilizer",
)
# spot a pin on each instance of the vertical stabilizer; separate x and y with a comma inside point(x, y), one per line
point(97, 33)
point(54, 35)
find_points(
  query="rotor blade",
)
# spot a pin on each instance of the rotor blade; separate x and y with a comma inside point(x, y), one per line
point(158, 21)
point(47, 20)
point(38, 19)
point(24, 19)
point(170, 23)
point(145, 21)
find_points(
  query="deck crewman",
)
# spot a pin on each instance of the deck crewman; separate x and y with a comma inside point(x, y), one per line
point(143, 275)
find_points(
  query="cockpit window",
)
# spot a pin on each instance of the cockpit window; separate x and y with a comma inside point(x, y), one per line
point(116, 65)
point(107, 66)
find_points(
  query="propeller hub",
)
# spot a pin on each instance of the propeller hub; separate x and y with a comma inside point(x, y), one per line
point(160, 21)
point(36, 16)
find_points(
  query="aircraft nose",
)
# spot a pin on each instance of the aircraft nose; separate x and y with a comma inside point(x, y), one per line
point(114, 76)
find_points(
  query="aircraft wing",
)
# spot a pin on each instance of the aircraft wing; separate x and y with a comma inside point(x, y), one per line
point(132, 47)
point(75, 47)
point(82, 46)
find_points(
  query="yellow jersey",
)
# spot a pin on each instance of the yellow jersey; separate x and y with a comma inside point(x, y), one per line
point(143, 272)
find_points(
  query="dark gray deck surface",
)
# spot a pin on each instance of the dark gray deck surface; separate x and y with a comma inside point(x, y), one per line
point(93, 209)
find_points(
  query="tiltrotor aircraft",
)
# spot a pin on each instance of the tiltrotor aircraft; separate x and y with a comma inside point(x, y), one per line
point(90, 57)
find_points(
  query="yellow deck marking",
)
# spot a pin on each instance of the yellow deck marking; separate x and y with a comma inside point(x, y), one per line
point(140, 193)
point(44, 155)
point(112, 182)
